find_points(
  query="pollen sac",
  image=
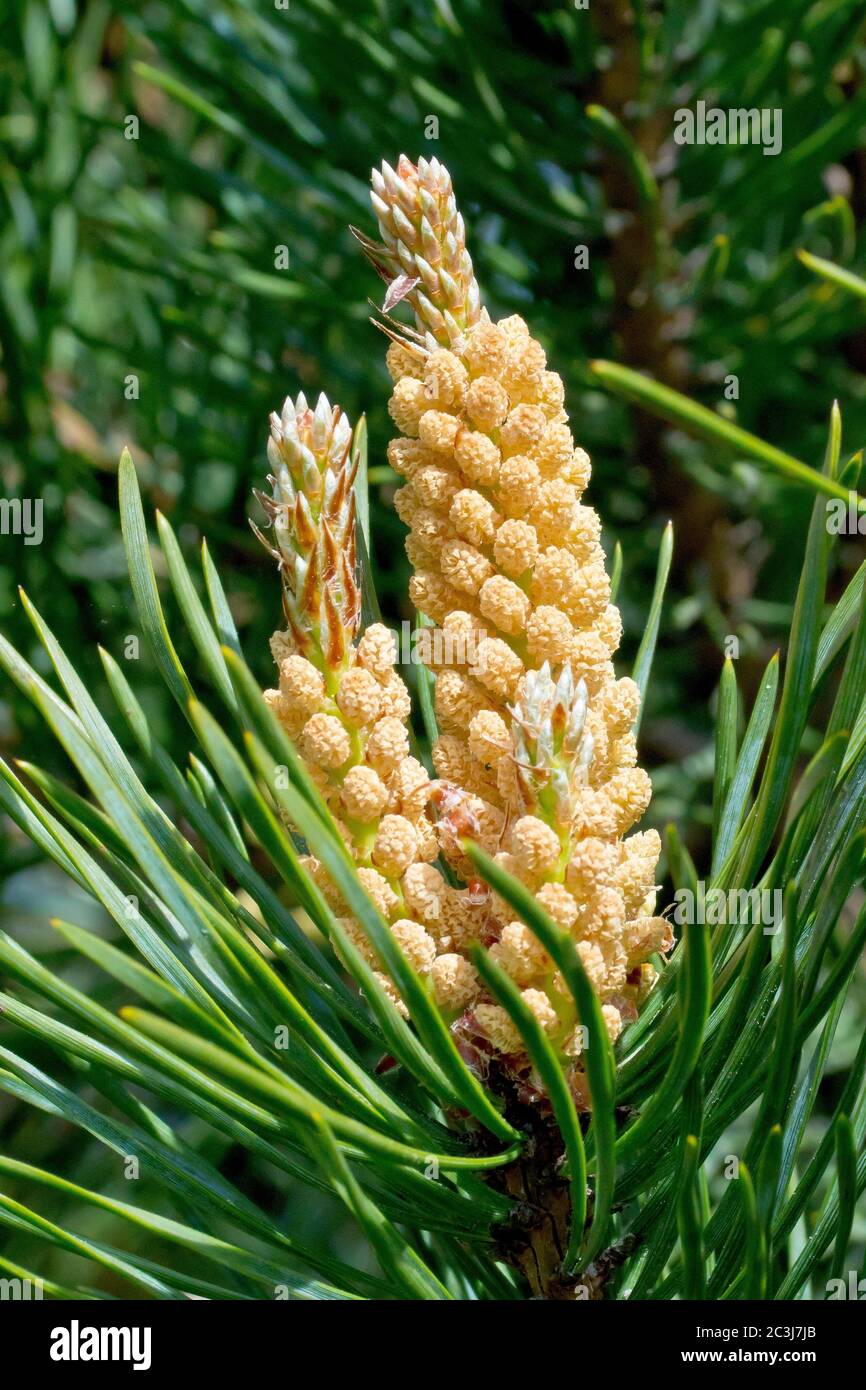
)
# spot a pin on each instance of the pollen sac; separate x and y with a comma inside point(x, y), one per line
point(359, 696)
point(324, 741)
point(363, 793)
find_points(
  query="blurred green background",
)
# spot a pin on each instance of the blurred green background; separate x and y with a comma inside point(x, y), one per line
point(156, 157)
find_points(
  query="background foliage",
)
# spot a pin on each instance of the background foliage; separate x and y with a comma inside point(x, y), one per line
point(154, 257)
